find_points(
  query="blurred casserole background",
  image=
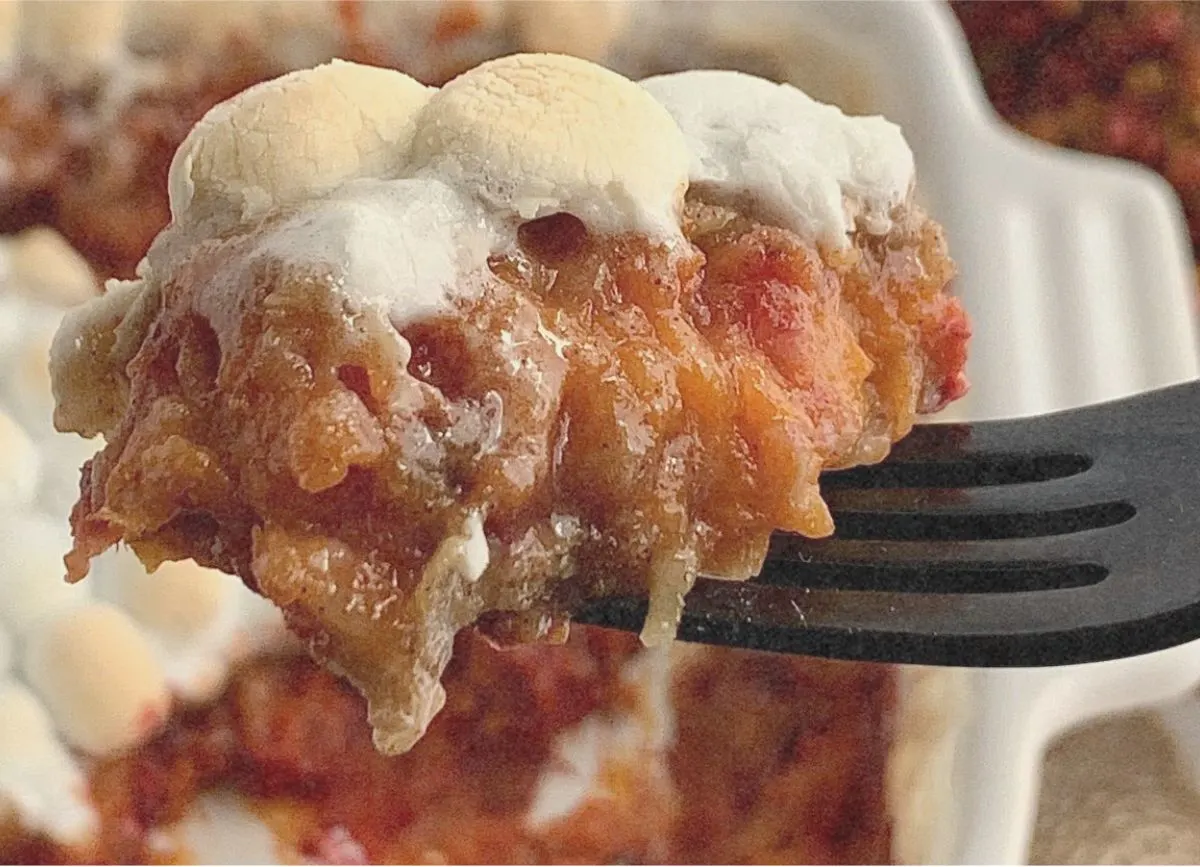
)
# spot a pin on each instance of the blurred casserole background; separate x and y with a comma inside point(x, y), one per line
point(1118, 79)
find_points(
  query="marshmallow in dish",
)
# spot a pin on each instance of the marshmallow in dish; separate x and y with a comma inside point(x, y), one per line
point(86, 671)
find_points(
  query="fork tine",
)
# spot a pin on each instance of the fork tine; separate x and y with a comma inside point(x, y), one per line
point(1092, 486)
point(1089, 546)
point(933, 576)
point(894, 613)
point(938, 441)
point(945, 567)
point(1056, 627)
point(963, 456)
point(979, 513)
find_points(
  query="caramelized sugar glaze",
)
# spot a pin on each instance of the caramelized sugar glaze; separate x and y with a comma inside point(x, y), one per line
point(612, 412)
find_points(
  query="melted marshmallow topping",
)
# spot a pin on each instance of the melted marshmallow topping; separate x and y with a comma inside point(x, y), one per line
point(405, 190)
point(796, 161)
point(359, 228)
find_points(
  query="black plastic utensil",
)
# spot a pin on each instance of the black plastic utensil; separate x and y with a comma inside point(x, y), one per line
point(1072, 537)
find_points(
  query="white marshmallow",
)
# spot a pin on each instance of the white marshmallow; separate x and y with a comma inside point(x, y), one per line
point(191, 616)
point(403, 191)
point(797, 161)
point(19, 464)
point(400, 246)
point(260, 628)
point(74, 38)
point(38, 777)
point(6, 651)
point(25, 383)
point(32, 584)
point(179, 599)
point(581, 28)
point(98, 676)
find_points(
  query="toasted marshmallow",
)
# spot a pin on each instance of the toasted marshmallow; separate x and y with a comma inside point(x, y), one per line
point(297, 34)
point(581, 28)
point(43, 266)
point(351, 156)
point(403, 192)
point(526, 135)
point(294, 138)
point(19, 464)
point(74, 38)
point(99, 677)
point(25, 385)
point(191, 617)
point(541, 134)
point(39, 779)
point(10, 20)
point(179, 599)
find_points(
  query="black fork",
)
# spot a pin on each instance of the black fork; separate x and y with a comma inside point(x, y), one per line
point(1072, 537)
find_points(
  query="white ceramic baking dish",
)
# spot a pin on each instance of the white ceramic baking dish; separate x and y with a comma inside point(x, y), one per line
point(1077, 273)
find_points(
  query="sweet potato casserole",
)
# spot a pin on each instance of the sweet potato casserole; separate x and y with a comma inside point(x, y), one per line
point(425, 368)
